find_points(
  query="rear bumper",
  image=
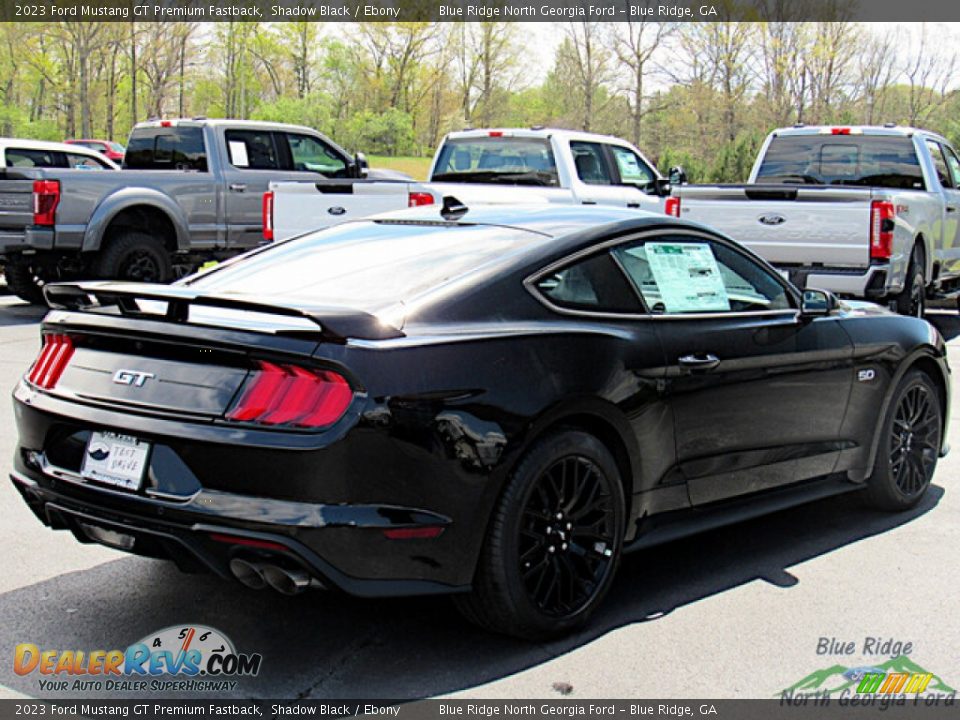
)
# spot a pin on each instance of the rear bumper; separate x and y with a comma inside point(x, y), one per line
point(335, 510)
point(13, 242)
point(871, 282)
point(188, 536)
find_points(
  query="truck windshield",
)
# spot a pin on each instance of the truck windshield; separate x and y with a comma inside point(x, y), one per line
point(502, 160)
point(860, 160)
point(166, 148)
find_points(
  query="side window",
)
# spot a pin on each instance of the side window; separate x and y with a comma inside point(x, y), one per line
point(24, 157)
point(939, 163)
point(590, 163)
point(310, 154)
point(84, 162)
point(681, 274)
point(594, 284)
point(633, 170)
point(954, 164)
point(252, 149)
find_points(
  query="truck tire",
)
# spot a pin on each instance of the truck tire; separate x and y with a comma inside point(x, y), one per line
point(24, 282)
point(912, 301)
point(134, 256)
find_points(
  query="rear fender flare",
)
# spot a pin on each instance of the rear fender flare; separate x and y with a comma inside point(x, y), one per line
point(131, 197)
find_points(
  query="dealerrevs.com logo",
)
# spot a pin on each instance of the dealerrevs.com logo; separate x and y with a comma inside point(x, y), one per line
point(201, 658)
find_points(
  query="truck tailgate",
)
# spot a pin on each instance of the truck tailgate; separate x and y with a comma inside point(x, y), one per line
point(16, 203)
point(787, 225)
point(300, 207)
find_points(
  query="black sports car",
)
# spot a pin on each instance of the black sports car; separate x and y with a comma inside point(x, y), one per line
point(494, 404)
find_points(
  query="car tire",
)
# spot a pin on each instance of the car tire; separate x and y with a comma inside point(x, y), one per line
point(554, 541)
point(135, 256)
point(24, 282)
point(913, 300)
point(909, 445)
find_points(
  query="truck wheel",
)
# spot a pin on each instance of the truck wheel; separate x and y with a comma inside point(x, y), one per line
point(135, 256)
point(912, 301)
point(24, 282)
point(554, 541)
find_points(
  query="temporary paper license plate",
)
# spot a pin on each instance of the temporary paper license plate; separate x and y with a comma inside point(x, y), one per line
point(115, 459)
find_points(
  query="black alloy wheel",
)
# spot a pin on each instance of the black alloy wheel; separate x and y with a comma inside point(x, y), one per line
point(915, 440)
point(567, 536)
point(554, 540)
point(909, 447)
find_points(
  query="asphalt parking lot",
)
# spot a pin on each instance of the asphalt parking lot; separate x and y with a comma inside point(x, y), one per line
point(733, 613)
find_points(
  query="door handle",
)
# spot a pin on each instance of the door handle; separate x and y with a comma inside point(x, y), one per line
point(238, 187)
point(633, 205)
point(951, 208)
point(699, 362)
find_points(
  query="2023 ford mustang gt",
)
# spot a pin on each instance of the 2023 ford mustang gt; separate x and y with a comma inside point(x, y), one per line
point(494, 404)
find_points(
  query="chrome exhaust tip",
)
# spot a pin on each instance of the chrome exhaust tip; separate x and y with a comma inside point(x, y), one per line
point(287, 582)
point(250, 574)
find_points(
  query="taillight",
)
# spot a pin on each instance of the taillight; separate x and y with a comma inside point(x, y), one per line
point(268, 215)
point(881, 229)
point(46, 197)
point(51, 362)
point(417, 199)
point(293, 396)
point(672, 206)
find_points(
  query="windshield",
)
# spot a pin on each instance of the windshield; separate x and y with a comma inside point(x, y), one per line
point(365, 265)
point(860, 160)
point(503, 160)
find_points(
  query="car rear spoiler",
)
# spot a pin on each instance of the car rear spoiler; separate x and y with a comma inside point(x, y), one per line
point(333, 323)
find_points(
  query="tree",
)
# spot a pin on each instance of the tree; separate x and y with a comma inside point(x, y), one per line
point(583, 57)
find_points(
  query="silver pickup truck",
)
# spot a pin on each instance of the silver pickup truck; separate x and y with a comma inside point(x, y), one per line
point(189, 191)
point(866, 212)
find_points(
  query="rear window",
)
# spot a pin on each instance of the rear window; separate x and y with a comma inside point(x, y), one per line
point(505, 160)
point(29, 157)
point(166, 148)
point(859, 160)
point(365, 265)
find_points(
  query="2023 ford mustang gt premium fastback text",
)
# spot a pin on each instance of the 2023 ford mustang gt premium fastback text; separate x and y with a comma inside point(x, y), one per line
point(494, 404)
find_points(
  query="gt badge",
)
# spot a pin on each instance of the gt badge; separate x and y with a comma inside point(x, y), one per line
point(132, 377)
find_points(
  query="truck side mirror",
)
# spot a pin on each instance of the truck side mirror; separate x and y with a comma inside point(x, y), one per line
point(677, 175)
point(361, 168)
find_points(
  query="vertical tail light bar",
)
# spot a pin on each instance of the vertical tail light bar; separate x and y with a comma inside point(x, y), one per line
point(882, 214)
point(293, 396)
point(418, 199)
point(268, 215)
point(46, 197)
point(672, 206)
point(51, 362)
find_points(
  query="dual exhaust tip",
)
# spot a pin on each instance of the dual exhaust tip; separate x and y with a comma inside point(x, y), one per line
point(258, 575)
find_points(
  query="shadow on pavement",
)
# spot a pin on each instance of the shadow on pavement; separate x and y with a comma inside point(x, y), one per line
point(17, 312)
point(947, 323)
point(331, 646)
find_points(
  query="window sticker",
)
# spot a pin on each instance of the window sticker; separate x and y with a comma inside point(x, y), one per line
point(688, 277)
point(238, 154)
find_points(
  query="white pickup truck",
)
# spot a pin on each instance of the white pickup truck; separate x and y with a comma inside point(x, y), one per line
point(480, 167)
point(866, 212)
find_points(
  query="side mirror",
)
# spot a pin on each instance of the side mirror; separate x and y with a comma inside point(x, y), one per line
point(360, 165)
point(817, 303)
point(677, 175)
point(662, 187)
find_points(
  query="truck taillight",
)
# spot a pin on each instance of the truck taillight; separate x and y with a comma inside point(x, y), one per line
point(268, 215)
point(46, 197)
point(417, 199)
point(51, 362)
point(292, 396)
point(882, 214)
point(672, 206)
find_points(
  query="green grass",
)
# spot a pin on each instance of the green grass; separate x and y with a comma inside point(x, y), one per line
point(415, 167)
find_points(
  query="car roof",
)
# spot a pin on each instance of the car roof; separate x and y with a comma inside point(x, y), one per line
point(7, 143)
point(219, 122)
point(892, 130)
point(537, 132)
